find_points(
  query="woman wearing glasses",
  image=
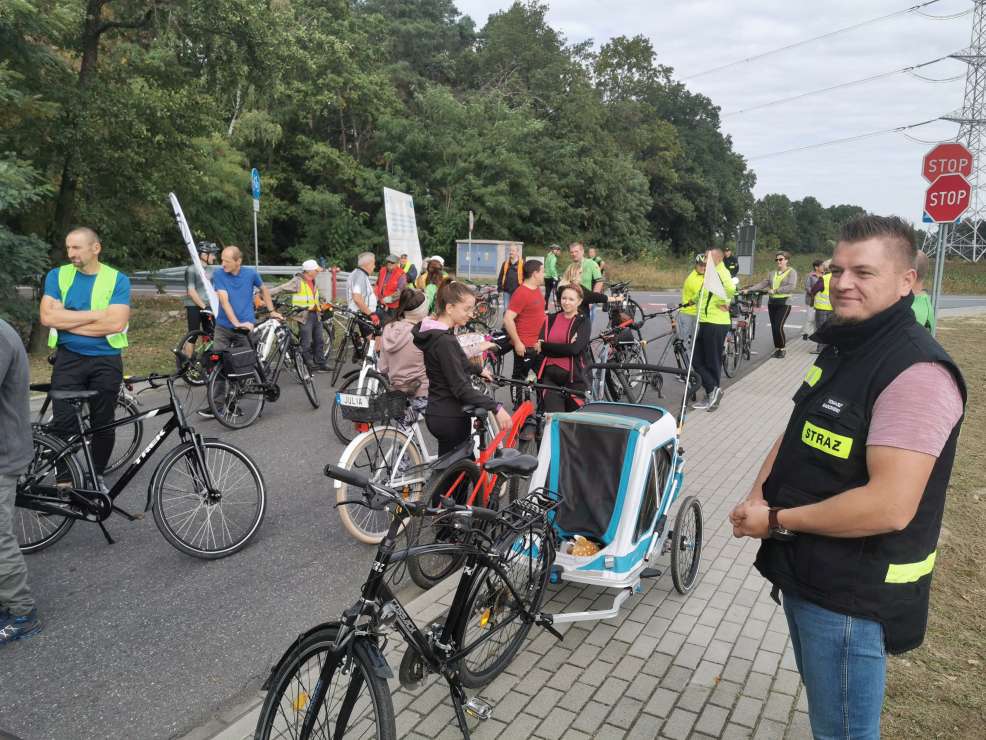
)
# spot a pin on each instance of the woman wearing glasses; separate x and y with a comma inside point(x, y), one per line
point(780, 284)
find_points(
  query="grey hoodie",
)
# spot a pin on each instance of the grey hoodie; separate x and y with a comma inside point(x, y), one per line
point(401, 361)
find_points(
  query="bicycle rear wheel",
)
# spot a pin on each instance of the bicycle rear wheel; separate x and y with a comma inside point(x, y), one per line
point(305, 377)
point(206, 522)
point(235, 402)
point(493, 620)
point(191, 362)
point(314, 688)
point(730, 354)
point(373, 383)
point(456, 481)
point(128, 436)
point(382, 455)
point(37, 530)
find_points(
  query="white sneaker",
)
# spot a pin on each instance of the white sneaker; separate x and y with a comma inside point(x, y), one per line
point(714, 399)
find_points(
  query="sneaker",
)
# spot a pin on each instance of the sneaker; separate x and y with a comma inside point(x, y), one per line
point(781, 353)
point(714, 399)
point(206, 413)
point(702, 405)
point(18, 627)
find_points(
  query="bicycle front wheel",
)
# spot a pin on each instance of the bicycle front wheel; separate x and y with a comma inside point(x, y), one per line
point(384, 456)
point(206, 521)
point(373, 382)
point(730, 355)
point(493, 626)
point(457, 481)
point(319, 694)
point(37, 530)
point(636, 380)
point(235, 402)
point(305, 378)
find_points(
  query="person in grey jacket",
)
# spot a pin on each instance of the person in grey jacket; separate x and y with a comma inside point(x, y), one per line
point(18, 613)
point(780, 284)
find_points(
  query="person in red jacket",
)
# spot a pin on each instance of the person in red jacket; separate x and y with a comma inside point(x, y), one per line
point(390, 282)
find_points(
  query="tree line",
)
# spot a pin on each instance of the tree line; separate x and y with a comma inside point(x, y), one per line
point(107, 105)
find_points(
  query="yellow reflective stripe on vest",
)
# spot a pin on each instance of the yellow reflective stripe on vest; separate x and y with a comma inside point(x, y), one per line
point(813, 375)
point(99, 300)
point(305, 297)
point(828, 442)
point(910, 572)
point(776, 281)
point(822, 299)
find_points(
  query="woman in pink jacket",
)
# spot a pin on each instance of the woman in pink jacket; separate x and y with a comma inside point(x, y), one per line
point(400, 360)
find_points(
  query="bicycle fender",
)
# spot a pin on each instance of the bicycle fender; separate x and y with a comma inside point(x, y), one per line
point(157, 469)
point(374, 657)
point(293, 648)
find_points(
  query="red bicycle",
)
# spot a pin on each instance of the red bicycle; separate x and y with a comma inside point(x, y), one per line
point(469, 481)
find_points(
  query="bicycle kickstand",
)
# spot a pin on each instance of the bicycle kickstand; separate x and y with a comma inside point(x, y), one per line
point(132, 517)
point(109, 540)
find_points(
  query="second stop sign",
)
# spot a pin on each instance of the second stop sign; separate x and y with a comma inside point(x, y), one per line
point(947, 198)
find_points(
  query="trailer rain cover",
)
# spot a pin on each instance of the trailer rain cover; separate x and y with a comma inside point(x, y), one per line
point(590, 464)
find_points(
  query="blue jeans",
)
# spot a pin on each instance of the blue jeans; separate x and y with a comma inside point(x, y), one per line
point(843, 665)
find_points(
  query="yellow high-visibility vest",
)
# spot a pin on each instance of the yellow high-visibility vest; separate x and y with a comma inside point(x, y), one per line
point(776, 279)
point(99, 300)
point(306, 297)
point(823, 301)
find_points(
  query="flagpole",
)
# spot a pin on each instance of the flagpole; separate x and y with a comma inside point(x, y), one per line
point(691, 356)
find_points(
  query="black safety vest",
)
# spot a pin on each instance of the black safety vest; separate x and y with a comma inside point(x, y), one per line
point(885, 577)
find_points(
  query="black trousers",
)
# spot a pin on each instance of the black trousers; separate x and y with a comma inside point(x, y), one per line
point(549, 289)
point(778, 310)
point(553, 400)
point(75, 372)
point(450, 431)
point(522, 366)
point(708, 353)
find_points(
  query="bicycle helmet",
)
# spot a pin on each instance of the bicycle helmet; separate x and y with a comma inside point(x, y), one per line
point(205, 247)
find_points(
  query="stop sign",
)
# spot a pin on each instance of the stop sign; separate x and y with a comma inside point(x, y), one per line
point(946, 159)
point(947, 198)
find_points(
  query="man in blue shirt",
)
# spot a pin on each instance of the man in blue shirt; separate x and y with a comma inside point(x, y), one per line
point(234, 286)
point(86, 306)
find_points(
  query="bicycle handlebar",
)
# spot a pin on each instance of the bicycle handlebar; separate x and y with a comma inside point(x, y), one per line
point(502, 380)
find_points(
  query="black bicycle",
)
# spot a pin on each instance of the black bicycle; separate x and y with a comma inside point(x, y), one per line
point(193, 351)
point(332, 680)
point(678, 348)
point(239, 389)
point(355, 336)
point(208, 496)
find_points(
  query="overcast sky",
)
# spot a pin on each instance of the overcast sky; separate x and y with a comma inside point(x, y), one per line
point(882, 174)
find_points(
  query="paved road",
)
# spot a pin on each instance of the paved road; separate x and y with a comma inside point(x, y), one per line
point(144, 642)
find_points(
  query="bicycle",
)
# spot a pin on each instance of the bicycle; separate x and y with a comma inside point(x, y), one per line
point(237, 395)
point(126, 405)
point(616, 346)
point(362, 381)
point(332, 680)
point(193, 350)
point(629, 305)
point(678, 348)
point(193, 491)
point(355, 335)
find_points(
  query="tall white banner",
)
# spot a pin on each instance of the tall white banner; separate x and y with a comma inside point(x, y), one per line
point(186, 234)
point(402, 228)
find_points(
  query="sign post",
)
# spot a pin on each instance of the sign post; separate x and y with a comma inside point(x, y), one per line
point(946, 167)
point(255, 187)
point(472, 221)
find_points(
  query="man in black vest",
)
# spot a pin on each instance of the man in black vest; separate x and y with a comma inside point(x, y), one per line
point(849, 501)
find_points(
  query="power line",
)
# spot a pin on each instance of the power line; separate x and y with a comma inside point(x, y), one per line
point(796, 44)
point(845, 140)
point(851, 83)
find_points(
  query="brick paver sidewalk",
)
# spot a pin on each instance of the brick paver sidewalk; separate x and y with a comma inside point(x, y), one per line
point(714, 663)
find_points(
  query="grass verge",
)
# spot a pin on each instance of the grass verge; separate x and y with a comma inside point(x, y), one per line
point(937, 691)
point(157, 323)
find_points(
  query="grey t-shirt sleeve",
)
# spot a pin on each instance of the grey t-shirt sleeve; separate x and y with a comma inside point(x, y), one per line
point(16, 447)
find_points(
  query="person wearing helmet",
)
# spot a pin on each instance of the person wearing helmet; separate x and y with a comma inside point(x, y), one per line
point(196, 298)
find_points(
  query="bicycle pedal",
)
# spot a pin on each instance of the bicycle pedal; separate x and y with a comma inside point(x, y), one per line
point(478, 708)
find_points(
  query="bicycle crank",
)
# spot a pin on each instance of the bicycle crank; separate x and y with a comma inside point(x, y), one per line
point(272, 392)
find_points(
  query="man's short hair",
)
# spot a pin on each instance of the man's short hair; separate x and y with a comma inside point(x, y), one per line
point(816, 264)
point(897, 235)
point(87, 232)
point(234, 252)
point(531, 266)
point(921, 265)
point(364, 257)
point(404, 256)
point(576, 244)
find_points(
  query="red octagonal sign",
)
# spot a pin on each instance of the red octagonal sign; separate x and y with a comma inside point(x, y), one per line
point(947, 198)
point(946, 159)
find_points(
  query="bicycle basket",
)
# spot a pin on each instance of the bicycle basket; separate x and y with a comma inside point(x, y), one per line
point(372, 408)
point(238, 361)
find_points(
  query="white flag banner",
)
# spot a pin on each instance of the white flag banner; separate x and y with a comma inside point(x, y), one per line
point(712, 282)
point(402, 227)
point(186, 234)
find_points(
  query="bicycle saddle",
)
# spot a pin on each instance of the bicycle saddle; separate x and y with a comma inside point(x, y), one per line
point(71, 395)
point(469, 410)
point(512, 464)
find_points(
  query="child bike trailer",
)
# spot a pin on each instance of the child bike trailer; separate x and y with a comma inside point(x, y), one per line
point(618, 468)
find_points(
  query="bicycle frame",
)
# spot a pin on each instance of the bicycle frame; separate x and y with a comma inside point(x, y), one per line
point(56, 505)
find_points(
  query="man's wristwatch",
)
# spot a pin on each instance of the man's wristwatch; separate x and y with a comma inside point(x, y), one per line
point(774, 530)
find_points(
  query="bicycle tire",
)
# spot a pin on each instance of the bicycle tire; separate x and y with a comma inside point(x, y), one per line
point(636, 380)
point(380, 450)
point(745, 344)
point(193, 368)
point(297, 689)
point(634, 311)
point(129, 408)
point(344, 429)
point(457, 480)
point(229, 409)
point(36, 530)
point(684, 573)
point(490, 604)
point(305, 378)
point(328, 329)
point(351, 337)
point(175, 519)
point(730, 355)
